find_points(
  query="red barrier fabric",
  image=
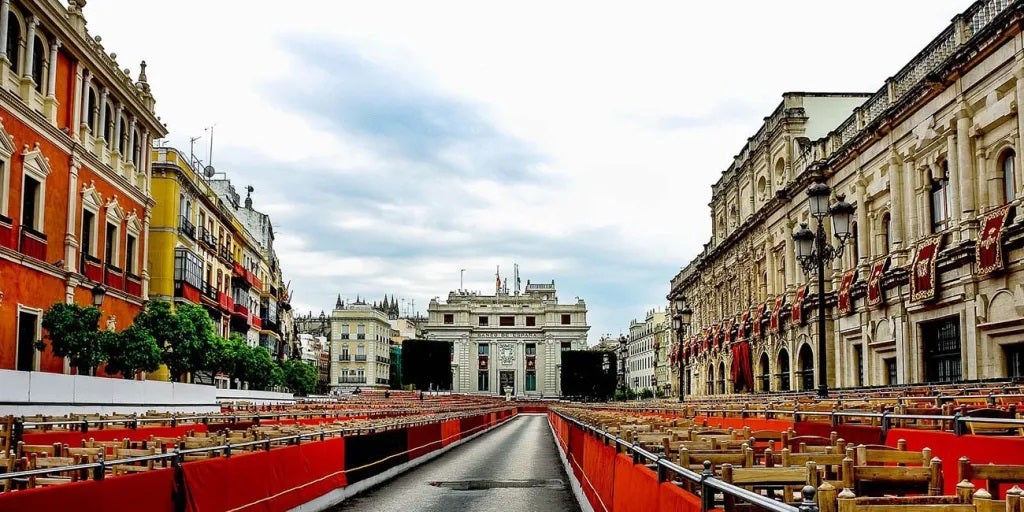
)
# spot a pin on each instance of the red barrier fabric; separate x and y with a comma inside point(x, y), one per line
point(949, 448)
point(636, 487)
point(739, 423)
point(266, 481)
point(449, 432)
point(673, 498)
point(423, 439)
point(120, 494)
point(532, 410)
point(576, 454)
point(109, 434)
point(857, 434)
point(598, 473)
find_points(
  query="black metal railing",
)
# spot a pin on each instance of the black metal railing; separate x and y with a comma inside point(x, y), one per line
point(360, 358)
point(186, 227)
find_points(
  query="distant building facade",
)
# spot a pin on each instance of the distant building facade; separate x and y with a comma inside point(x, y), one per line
point(360, 347)
point(508, 341)
point(645, 355)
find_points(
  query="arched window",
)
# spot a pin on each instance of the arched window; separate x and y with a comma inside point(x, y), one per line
point(940, 200)
point(1009, 179)
point(721, 378)
point(13, 41)
point(711, 380)
point(765, 377)
point(108, 130)
point(38, 62)
point(137, 149)
point(91, 112)
point(121, 139)
point(783, 365)
point(806, 368)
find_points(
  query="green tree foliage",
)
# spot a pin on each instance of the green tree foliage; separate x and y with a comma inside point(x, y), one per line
point(261, 373)
point(299, 376)
point(185, 335)
point(73, 332)
point(130, 351)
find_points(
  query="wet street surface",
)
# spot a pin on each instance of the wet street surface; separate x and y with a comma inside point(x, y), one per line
point(513, 468)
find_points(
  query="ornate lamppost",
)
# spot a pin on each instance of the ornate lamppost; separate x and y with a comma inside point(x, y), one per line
point(681, 323)
point(623, 351)
point(813, 251)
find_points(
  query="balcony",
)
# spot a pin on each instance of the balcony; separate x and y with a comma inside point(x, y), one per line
point(207, 240)
point(6, 232)
point(241, 310)
point(237, 270)
point(92, 267)
point(225, 303)
point(351, 380)
point(344, 358)
point(209, 293)
point(186, 291)
point(257, 322)
point(33, 243)
point(114, 277)
point(360, 336)
point(133, 284)
point(361, 358)
point(381, 380)
point(224, 255)
point(382, 359)
point(186, 227)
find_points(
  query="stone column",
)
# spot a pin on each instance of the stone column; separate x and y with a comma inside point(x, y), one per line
point(790, 257)
point(1019, 74)
point(101, 126)
point(30, 37)
point(85, 116)
point(863, 225)
point(953, 164)
point(71, 242)
point(5, 15)
point(116, 135)
point(966, 179)
point(145, 253)
point(896, 192)
point(991, 191)
point(51, 72)
point(769, 264)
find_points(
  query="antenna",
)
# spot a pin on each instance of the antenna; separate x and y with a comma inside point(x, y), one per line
point(192, 148)
point(210, 129)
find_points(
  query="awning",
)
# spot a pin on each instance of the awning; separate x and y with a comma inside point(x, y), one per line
point(922, 276)
point(989, 250)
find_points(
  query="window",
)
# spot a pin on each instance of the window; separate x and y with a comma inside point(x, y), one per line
point(13, 41)
point(940, 201)
point(941, 340)
point(91, 111)
point(531, 349)
point(344, 351)
point(130, 259)
point(566, 346)
point(1015, 361)
point(360, 350)
point(28, 332)
point(858, 354)
point(482, 320)
point(482, 349)
point(783, 365)
point(5, 187)
point(1009, 179)
point(111, 241)
point(88, 233)
point(507, 321)
point(531, 321)
point(31, 203)
point(566, 319)
point(886, 231)
point(449, 318)
point(137, 149)
point(890, 371)
point(344, 332)
point(188, 268)
point(482, 383)
point(108, 130)
point(531, 381)
point(361, 332)
point(38, 61)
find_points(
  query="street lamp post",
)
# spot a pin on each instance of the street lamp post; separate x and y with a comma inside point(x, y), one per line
point(623, 350)
point(681, 323)
point(813, 251)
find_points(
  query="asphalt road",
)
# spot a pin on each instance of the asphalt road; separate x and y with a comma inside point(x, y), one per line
point(513, 468)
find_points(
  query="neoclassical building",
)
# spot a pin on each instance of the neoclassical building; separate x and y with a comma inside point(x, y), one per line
point(930, 287)
point(508, 339)
point(645, 353)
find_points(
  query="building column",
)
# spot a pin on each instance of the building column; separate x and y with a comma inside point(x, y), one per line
point(769, 264)
point(5, 16)
point(50, 102)
point(130, 148)
point(101, 126)
point(71, 242)
point(115, 144)
point(966, 178)
point(26, 75)
point(1019, 164)
point(953, 164)
point(863, 225)
point(896, 193)
point(790, 257)
point(989, 191)
point(145, 253)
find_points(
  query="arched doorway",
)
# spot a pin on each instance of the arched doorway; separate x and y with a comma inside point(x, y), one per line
point(711, 379)
point(806, 368)
point(721, 378)
point(782, 364)
point(764, 377)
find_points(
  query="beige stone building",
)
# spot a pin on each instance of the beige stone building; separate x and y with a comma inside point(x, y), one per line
point(646, 364)
point(360, 347)
point(931, 286)
point(508, 339)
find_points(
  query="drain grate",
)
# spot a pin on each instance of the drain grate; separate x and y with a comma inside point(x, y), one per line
point(477, 485)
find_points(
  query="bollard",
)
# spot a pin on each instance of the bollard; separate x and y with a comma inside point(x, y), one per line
point(827, 498)
point(808, 504)
point(707, 496)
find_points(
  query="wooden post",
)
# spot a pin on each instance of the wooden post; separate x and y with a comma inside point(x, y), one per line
point(982, 500)
point(827, 498)
point(848, 482)
point(846, 501)
point(935, 485)
point(729, 502)
point(1013, 499)
point(964, 491)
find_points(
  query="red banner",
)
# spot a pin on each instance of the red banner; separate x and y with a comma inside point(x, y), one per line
point(757, 319)
point(989, 250)
point(844, 299)
point(922, 277)
point(798, 306)
point(878, 268)
point(742, 373)
point(773, 321)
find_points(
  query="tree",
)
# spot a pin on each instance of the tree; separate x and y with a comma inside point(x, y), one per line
point(185, 335)
point(73, 332)
point(130, 351)
point(299, 376)
point(261, 369)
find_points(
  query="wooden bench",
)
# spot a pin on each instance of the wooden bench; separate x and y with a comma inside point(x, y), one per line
point(994, 475)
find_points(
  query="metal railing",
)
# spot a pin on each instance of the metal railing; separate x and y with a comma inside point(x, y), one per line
point(704, 482)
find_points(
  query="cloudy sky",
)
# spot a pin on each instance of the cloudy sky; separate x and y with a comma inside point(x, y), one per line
point(395, 143)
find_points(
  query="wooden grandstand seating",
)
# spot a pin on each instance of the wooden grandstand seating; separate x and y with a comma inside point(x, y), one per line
point(133, 467)
point(992, 428)
point(48, 450)
point(56, 478)
point(994, 475)
point(901, 480)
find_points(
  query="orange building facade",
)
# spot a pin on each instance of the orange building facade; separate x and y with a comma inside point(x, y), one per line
point(75, 197)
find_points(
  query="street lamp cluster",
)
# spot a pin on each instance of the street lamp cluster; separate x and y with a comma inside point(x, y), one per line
point(813, 252)
point(681, 323)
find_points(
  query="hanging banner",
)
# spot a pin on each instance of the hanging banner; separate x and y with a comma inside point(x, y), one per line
point(728, 331)
point(922, 276)
point(773, 322)
point(878, 268)
point(845, 299)
point(797, 313)
point(989, 250)
point(758, 316)
point(742, 373)
point(744, 320)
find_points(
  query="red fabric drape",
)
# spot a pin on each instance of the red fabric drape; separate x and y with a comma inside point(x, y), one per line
point(845, 300)
point(742, 373)
point(949, 448)
point(121, 494)
point(109, 434)
point(923, 281)
point(636, 487)
point(989, 249)
point(673, 498)
point(449, 432)
point(875, 295)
